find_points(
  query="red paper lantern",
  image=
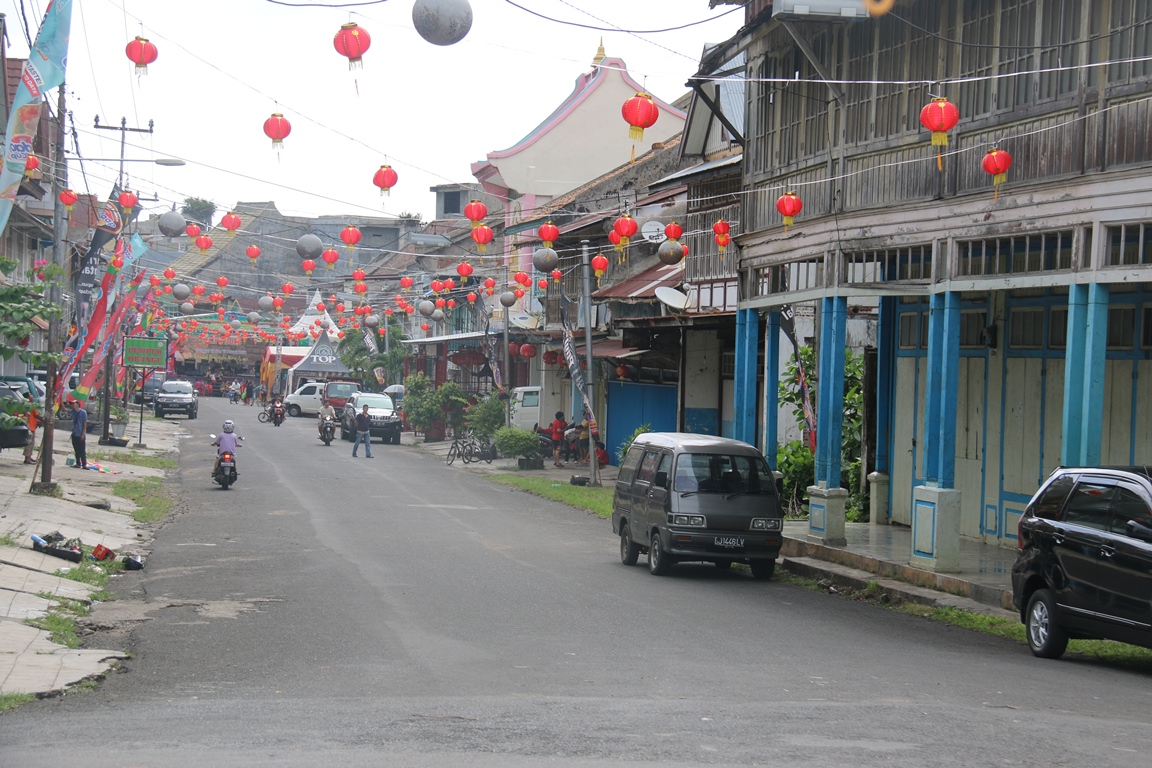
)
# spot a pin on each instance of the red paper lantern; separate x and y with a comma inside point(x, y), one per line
point(155, 281)
point(127, 201)
point(330, 257)
point(30, 164)
point(464, 269)
point(939, 116)
point(230, 222)
point(615, 239)
point(277, 302)
point(222, 282)
point(542, 283)
point(203, 242)
point(340, 307)
point(550, 357)
point(277, 128)
point(424, 327)
point(385, 178)
point(117, 262)
point(475, 212)
point(482, 235)
point(556, 275)
point(721, 227)
point(722, 242)
point(351, 236)
point(192, 231)
point(518, 293)
point(625, 227)
point(451, 304)
point(287, 288)
point(996, 164)
point(406, 283)
point(253, 253)
point(360, 288)
point(522, 278)
point(640, 112)
point(599, 264)
point(528, 351)
point(548, 233)
point(489, 283)
point(471, 297)
point(68, 198)
point(789, 205)
point(674, 231)
point(141, 52)
point(449, 284)
point(167, 289)
point(198, 290)
point(169, 273)
point(441, 303)
point(352, 41)
point(436, 286)
point(358, 275)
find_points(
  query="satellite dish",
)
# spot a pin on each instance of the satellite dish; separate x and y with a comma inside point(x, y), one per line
point(653, 232)
point(672, 297)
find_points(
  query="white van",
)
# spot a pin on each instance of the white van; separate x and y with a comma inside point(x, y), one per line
point(526, 407)
point(305, 400)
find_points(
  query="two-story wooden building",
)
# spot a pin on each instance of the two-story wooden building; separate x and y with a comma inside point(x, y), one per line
point(1015, 320)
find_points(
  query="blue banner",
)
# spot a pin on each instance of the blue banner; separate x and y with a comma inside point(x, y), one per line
point(43, 71)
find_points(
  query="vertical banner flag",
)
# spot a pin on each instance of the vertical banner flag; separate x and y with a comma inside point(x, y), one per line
point(369, 342)
point(76, 346)
point(96, 370)
point(574, 369)
point(43, 71)
point(109, 223)
point(491, 345)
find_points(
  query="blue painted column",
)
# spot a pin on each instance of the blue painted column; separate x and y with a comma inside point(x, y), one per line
point(1073, 413)
point(771, 387)
point(1095, 354)
point(830, 401)
point(739, 385)
point(933, 390)
point(950, 386)
point(885, 380)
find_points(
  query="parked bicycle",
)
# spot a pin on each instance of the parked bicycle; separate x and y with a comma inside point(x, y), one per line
point(468, 448)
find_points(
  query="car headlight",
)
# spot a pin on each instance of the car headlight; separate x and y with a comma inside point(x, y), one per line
point(690, 521)
point(766, 524)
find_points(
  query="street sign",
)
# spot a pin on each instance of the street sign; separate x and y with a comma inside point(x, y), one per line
point(145, 353)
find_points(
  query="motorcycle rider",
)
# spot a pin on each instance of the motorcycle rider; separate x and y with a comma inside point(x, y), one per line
point(226, 443)
point(326, 411)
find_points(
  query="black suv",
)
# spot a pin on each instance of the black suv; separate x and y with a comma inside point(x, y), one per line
point(385, 423)
point(176, 396)
point(1084, 564)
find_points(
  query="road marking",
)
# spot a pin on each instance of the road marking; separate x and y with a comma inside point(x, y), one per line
point(194, 544)
point(446, 506)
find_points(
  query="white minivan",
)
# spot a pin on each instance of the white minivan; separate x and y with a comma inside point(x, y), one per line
point(305, 400)
point(525, 407)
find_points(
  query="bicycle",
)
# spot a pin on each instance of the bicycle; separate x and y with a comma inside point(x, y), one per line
point(460, 448)
point(482, 451)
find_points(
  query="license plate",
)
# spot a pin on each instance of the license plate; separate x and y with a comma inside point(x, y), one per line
point(226, 465)
point(729, 541)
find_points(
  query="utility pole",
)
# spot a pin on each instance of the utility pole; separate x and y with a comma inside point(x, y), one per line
point(106, 434)
point(586, 300)
point(59, 244)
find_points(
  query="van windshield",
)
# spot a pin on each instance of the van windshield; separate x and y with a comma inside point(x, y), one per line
point(720, 473)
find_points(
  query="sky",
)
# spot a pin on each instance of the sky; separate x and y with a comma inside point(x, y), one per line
point(429, 111)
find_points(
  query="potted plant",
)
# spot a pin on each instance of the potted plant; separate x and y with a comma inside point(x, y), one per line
point(521, 443)
point(118, 420)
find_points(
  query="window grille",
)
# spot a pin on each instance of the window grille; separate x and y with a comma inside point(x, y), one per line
point(972, 326)
point(1121, 327)
point(1026, 328)
point(1129, 245)
point(1016, 255)
point(889, 264)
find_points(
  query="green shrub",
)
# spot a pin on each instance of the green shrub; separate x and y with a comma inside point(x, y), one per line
point(622, 451)
point(517, 442)
point(796, 462)
point(486, 416)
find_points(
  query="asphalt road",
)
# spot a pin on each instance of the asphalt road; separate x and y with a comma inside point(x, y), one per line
point(393, 611)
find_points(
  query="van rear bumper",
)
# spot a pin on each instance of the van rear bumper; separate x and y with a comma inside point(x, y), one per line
point(686, 544)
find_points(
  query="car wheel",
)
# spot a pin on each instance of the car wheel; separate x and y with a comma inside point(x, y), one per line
point(1046, 637)
point(293, 411)
point(629, 550)
point(191, 414)
point(159, 413)
point(658, 561)
point(762, 570)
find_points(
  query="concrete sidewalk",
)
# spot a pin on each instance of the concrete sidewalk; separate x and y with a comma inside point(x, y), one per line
point(440, 448)
point(88, 509)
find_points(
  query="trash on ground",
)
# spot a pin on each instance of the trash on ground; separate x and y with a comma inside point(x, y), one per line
point(133, 563)
point(57, 545)
point(102, 552)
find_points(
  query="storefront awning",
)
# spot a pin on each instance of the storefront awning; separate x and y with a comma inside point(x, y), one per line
point(642, 287)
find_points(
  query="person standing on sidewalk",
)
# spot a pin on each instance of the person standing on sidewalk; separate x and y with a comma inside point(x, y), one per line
point(79, 433)
point(363, 433)
point(33, 422)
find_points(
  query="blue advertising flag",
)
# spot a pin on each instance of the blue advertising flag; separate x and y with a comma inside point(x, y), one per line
point(43, 71)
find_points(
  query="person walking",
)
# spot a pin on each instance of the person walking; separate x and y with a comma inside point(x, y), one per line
point(79, 433)
point(558, 428)
point(363, 433)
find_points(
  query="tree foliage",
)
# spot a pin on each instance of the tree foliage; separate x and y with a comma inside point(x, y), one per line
point(199, 210)
point(355, 354)
point(425, 407)
point(22, 302)
point(486, 416)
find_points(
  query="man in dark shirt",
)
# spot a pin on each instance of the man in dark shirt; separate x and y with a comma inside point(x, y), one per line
point(363, 433)
point(79, 430)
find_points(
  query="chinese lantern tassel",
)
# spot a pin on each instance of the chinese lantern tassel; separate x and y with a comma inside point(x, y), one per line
point(789, 221)
point(939, 139)
point(636, 133)
point(999, 178)
point(940, 160)
point(482, 248)
point(632, 159)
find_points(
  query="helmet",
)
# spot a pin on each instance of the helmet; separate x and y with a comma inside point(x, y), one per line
point(229, 426)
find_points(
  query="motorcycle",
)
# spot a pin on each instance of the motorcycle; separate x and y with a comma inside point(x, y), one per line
point(226, 473)
point(328, 430)
point(277, 415)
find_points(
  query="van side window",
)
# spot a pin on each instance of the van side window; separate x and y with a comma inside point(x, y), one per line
point(531, 399)
point(309, 390)
point(663, 470)
point(648, 467)
point(1048, 506)
point(631, 463)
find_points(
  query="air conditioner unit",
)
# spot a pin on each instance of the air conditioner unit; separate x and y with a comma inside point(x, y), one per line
point(819, 10)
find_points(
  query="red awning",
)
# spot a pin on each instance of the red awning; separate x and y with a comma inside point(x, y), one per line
point(642, 287)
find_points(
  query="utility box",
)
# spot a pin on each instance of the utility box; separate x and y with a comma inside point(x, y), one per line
point(819, 10)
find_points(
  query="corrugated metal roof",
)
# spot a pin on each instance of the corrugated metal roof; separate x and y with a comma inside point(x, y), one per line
point(643, 286)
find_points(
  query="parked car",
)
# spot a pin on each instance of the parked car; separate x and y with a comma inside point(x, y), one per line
point(19, 435)
point(305, 401)
point(22, 384)
point(338, 391)
point(1084, 560)
point(382, 411)
point(146, 392)
point(696, 497)
point(176, 396)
